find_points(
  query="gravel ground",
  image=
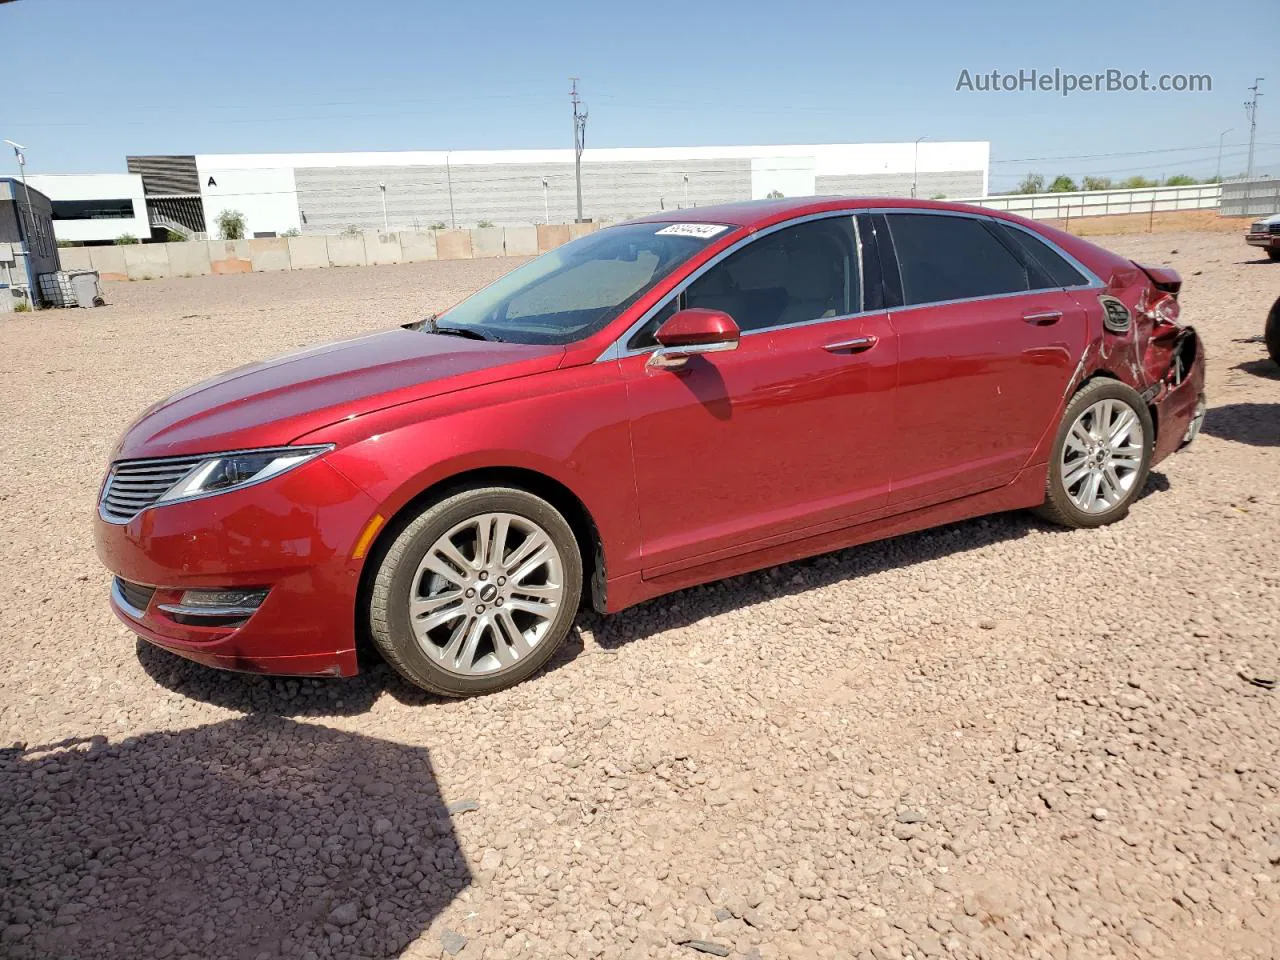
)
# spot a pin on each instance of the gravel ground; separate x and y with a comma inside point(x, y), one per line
point(993, 739)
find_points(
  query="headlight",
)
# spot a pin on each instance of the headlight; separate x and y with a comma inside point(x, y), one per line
point(229, 471)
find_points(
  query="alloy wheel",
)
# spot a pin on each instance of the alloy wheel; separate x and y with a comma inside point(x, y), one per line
point(486, 593)
point(1102, 457)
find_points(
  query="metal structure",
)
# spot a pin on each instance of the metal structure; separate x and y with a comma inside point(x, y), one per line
point(579, 139)
point(1251, 108)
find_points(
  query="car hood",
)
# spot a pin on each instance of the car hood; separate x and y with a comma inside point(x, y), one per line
point(1274, 218)
point(274, 402)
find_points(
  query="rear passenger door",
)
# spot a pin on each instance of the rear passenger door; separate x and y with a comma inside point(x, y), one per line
point(988, 341)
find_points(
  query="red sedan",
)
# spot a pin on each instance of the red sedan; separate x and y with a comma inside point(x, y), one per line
point(662, 403)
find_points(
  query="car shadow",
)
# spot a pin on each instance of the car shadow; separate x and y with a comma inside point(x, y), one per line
point(1267, 369)
point(300, 696)
point(1257, 424)
point(253, 837)
point(685, 607)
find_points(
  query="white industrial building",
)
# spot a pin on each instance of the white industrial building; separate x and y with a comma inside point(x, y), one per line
point(96, 206)
point(326, 193)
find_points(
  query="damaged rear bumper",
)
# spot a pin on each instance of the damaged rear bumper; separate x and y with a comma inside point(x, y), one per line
point(1178, 397)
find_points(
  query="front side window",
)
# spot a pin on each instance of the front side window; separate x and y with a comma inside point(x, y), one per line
point(945, 258)
point(581, 287)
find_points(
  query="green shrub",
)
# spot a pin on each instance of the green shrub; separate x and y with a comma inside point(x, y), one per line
point(438, 225)
point(125, 239)
point(484, 224)
point(292, 232)
point(231, 225)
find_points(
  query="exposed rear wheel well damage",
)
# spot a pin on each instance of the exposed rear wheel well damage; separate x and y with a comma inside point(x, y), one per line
point(540, 485)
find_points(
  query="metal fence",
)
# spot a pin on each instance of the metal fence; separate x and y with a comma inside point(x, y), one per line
point(1099, 203)
point(1250, 198)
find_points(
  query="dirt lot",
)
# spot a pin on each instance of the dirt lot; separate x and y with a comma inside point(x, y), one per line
point(994, 739)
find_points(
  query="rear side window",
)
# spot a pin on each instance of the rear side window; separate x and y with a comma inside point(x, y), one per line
point(1059, 272)
point(952, 258)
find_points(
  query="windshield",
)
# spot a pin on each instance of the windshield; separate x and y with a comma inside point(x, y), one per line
point(579, 288)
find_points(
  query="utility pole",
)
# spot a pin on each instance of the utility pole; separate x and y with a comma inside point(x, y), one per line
point(386, 226)
point(579, 138)
point(448, 173)
point(1218, 177)
point(1251, 108)
point(546, 200)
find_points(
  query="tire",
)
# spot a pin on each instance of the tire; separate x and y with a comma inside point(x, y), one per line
point(1124, 462)
point(438, 659)
point(1274, 254)
point(1272, 333)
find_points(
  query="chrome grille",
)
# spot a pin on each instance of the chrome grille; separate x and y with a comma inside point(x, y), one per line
point(133, 485)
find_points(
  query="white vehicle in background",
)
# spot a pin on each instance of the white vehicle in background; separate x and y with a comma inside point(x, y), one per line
point(1265, 233)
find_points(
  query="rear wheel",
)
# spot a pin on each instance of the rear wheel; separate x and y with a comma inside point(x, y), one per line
point(477, 592)
point(1274, 254)
point(1101, 456)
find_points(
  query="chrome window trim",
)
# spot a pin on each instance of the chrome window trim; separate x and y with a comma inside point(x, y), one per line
point(618, 349)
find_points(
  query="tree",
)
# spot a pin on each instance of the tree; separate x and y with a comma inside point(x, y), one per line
point(1097, 183)
point(1031, 183)
point(1180, 180)
point(1136, 183)
point(1062, 184)
point(773, 195)
point(231, 225)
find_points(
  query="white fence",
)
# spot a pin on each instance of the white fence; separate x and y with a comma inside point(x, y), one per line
point(1098, 203)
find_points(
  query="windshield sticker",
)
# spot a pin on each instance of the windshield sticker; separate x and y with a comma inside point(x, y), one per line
point(703, 231)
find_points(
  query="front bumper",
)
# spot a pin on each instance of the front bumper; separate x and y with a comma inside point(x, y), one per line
point(1270, 241)
point(292, 536)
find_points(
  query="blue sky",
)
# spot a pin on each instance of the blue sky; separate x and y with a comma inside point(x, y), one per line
point(89, 81)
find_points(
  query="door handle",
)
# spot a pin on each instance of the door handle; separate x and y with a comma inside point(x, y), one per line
point(1043, 319)
point(855, 345)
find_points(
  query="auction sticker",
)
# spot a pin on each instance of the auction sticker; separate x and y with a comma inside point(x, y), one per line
point(703, 231)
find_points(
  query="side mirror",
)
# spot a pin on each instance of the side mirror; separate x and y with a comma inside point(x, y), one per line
point(692, 332)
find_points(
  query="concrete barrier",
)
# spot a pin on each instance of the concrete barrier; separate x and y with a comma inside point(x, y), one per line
point(346, 250)
point(306, 253)
point(109, 262)
point(146, 261)
point(229, 256)
point(453, 244)
point(382, 248)
point(74, 258)
point(269, 254)
point(552, 235)
point(189, 259)
point(416, 247)
point(487, 242)
point(521, 241)
point(577, 230)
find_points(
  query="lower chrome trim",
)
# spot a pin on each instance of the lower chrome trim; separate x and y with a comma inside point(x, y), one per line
point(117, 596)
point(184, 610)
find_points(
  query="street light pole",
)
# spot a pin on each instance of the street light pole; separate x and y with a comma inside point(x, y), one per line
point(22, 172)
point(386, 225)
point(1251, 108)
point(686, 191)
point(1218, 176)
point(546, 201)
point(915, 165)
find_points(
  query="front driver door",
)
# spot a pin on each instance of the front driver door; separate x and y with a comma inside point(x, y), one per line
point(787, 435)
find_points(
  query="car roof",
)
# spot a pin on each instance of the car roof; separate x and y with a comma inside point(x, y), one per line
point(760, 213)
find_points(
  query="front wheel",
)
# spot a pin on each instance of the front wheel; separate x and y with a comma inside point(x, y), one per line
point(1274, 254)
point(477, 592)
point(1100, 457)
